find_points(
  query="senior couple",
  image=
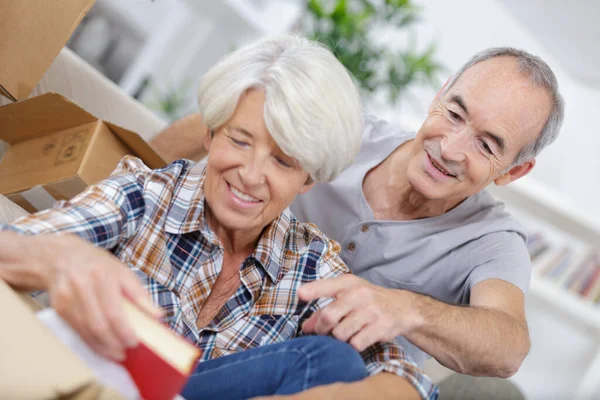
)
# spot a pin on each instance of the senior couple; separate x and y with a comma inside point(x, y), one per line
point(227, 254)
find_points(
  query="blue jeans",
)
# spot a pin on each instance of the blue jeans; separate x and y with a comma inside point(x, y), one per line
point(281, 368)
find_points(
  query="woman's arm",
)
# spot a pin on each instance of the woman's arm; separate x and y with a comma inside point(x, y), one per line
point(61, 250)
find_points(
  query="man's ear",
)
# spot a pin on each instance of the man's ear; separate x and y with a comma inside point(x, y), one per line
point(208, 139)
point(438, 96)
point(515, 173)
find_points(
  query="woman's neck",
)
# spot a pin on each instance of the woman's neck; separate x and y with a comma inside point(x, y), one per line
point(237, 244)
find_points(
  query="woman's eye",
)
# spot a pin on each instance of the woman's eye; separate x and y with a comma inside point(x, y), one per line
point(283, 163)
point(238, 142)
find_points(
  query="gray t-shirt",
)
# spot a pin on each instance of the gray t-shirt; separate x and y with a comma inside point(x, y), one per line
point(443, 256)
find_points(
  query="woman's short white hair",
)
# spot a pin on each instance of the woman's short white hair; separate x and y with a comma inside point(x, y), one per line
point(312, 108)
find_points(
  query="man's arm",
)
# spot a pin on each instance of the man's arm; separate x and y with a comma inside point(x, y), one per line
point(392, 374)
point(489, 337)
point(182, 139)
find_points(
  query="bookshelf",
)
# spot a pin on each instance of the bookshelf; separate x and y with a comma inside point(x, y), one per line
point(563, 225)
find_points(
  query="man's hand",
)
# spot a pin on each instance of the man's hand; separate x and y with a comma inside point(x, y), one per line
point(85, 284)
point(362, 313)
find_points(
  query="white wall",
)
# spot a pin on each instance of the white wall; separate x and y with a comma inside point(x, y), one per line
point(462, 27)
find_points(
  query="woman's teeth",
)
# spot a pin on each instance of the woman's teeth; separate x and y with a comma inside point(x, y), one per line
point(243, 196)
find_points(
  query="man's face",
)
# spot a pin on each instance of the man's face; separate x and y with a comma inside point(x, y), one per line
point(475, 130)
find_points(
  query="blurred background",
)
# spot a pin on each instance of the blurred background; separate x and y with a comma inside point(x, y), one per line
point(401, 52)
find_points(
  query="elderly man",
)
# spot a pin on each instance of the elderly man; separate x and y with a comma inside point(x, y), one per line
point(436, 260)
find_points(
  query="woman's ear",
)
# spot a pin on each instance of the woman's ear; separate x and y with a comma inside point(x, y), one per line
point(307, 185)
point(208, 139)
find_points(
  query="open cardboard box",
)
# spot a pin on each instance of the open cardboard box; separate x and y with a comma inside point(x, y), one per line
point(35, 364)
point(58, 149)
point(32, 33)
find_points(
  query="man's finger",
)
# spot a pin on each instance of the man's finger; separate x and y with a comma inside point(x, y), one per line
point(351, 325)
point(366, 337)
point(325, 320)
point(330, 287)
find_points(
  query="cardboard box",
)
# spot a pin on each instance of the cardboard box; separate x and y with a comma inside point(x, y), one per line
point(35, 364)
point(58, 149)
point(32, 33)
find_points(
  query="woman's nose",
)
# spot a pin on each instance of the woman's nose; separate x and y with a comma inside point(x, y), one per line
point(253, 172)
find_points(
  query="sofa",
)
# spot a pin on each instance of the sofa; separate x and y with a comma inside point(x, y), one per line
point(75, 79)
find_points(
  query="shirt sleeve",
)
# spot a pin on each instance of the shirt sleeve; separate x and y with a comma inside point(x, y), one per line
point(103, 214)
point(381, 357)
point(329, 265)
point(500, 255)
point(391, 357)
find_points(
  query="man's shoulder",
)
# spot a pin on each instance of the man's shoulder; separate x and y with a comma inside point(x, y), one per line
point(377, 129)
point(483, 210)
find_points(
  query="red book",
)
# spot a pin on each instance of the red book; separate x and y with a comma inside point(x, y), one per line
point(162, 362)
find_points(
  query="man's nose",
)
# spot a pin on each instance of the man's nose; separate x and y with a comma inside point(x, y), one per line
point(454, 145)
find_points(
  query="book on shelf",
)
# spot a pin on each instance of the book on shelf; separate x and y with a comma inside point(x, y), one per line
point(576, 270)
point(575, 267)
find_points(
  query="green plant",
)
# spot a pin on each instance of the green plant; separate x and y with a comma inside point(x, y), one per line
point(169, 101)
point(347, 26)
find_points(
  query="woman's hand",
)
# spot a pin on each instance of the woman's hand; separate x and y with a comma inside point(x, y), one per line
point(86, 286)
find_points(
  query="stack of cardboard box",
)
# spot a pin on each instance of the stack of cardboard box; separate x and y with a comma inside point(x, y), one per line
point(56, 147)
point(56, 150)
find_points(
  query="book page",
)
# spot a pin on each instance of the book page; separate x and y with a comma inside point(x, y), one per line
point(108, 372)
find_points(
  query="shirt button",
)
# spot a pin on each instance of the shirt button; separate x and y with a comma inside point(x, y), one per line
point(351, 246)
point(364, 228)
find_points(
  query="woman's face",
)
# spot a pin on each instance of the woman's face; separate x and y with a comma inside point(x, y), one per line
point(249, 180)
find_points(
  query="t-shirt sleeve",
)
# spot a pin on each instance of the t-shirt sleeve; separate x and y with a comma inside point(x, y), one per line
point(500, 255)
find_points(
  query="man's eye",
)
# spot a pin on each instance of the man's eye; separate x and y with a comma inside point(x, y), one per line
point(454, 115)
point(486, 147)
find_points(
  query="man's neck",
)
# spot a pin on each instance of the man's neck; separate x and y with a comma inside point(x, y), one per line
point(391, 196)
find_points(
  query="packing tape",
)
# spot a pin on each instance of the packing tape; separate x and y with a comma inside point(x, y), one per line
point(39, 198)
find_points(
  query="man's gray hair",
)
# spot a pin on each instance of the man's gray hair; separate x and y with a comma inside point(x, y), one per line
point(313, 109)
point(541, 75)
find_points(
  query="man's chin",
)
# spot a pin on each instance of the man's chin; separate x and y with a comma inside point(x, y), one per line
point(426, 187)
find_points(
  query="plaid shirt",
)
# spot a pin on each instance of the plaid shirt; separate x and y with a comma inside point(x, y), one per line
point(153, 221)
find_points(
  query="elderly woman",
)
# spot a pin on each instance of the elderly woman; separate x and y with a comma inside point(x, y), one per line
point(216, 246)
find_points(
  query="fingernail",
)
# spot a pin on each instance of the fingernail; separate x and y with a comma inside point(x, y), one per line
point(118, 355)
point(131, 342)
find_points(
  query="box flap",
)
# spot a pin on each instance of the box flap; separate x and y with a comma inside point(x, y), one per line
point(40, 115)
point(141, 148)
point(31, 36)
point(31, 355)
